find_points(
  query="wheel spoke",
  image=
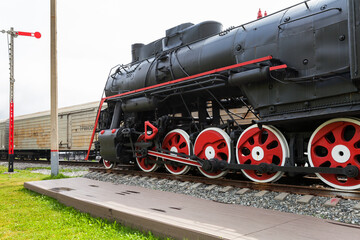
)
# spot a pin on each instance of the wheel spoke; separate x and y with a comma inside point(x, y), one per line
point(355, 138)
point(338, 133)
point(256, 137)
point(323, 160)
point(356, 151)
point(247, 145)
point(273, 152)
point(271, 138)
point(324, 143)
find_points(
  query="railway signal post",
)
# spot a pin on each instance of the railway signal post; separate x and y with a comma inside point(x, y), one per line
point(12, 35)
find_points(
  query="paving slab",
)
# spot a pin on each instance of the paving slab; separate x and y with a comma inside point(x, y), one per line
point(182, 216)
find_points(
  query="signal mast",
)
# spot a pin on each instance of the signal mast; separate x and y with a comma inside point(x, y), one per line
point(13, 34)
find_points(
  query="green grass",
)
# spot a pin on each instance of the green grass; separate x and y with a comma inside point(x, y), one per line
point(28, 215)
point(60, 170)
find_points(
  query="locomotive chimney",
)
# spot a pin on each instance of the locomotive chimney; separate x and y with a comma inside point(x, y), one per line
point(135, 51)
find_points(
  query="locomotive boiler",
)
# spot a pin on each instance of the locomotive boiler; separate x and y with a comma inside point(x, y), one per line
point(184, 99)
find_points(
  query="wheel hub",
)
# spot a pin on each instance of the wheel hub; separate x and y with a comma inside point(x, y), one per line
point(340, 153)
point(257, 153)
point(173, 149)
point(210, 152)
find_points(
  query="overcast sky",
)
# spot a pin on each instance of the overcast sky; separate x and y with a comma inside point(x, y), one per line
point(93, 36)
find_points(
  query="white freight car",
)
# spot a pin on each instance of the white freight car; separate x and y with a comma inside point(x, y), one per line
point(32, 133)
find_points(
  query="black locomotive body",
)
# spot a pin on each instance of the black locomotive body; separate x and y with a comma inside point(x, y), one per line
point(296, 71)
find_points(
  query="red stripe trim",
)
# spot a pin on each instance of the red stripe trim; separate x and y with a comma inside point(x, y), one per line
point(278, 67)
point(54, 150)
point(194, 76)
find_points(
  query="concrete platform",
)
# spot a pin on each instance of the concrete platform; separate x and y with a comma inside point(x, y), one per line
point(181, 216)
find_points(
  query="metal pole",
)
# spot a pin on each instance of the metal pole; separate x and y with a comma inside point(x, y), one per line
point(13, 34)
point(11, 115)
point(54, 94)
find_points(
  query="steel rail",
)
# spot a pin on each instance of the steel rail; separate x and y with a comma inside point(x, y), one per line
point(70, 163)
point(317, 190)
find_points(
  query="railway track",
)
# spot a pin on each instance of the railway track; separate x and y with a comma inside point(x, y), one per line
point(61, 162)
point(312, 187)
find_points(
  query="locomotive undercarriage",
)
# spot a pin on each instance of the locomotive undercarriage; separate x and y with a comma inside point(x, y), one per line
point(208, 134)
point(269, 154)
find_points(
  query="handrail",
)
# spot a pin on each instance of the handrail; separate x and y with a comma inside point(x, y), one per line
point(297, 19)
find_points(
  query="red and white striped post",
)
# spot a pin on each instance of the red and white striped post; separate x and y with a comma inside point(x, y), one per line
point(12, 35)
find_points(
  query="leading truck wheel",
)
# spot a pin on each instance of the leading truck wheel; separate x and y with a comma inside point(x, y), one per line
point(265, 145)
point(336, 144)
point(146, 163)
point(177, 141)
point(213, 143)
point(108, 164)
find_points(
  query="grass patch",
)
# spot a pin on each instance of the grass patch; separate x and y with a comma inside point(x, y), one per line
point(28, 215)
point(60, 170)
point(37, 168)
point(64, 170)
point(59, 176)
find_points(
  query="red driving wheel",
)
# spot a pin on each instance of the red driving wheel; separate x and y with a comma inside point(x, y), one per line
point(336, 144)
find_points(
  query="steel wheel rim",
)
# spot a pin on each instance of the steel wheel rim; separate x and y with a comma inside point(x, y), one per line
point(143, 163)
point(178, 141)
point(213, 139)
point(331, 145)
point(266, 145)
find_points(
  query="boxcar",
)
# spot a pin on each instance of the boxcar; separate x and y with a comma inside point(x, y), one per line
point(32, 133)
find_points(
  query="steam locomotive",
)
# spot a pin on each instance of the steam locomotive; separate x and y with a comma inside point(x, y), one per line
point(295, 71)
